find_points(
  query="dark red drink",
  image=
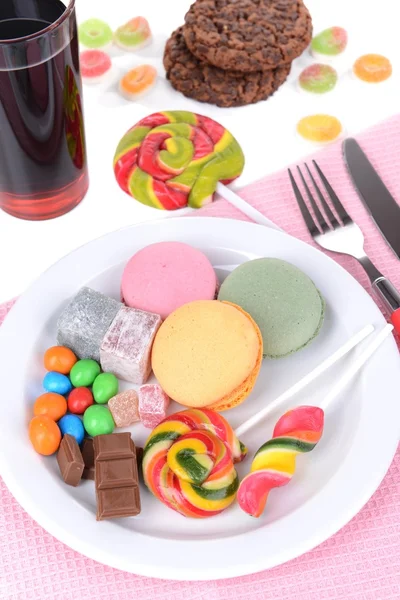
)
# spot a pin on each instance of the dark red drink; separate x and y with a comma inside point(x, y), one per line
point(43, 169)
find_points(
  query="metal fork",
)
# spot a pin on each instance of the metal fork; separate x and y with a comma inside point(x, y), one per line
point(338, 233)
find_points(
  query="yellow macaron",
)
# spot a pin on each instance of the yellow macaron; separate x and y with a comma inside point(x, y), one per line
point(208, 354)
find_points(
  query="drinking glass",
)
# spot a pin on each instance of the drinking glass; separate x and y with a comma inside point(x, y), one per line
point(43, 167)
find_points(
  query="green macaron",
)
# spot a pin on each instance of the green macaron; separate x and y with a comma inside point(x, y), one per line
point(282, 300)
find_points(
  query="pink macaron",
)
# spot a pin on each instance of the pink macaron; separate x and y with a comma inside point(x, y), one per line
point(162, 277)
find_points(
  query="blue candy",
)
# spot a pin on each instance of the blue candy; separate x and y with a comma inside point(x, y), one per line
point(57, 383)
point(73, 425)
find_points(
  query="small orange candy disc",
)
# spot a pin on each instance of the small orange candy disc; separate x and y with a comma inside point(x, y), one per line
point(372, 68)
point(138, 81)
point(59, 359)
point(320, 129)
point(44, 434)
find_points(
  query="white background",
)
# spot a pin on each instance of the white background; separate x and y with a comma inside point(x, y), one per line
point(265, 130)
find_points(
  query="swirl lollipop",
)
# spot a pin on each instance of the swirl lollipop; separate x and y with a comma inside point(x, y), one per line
point(188, 462)
point(297, 431)
point(176, 158)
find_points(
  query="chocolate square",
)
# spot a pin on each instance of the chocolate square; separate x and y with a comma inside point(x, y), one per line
point(70, 461)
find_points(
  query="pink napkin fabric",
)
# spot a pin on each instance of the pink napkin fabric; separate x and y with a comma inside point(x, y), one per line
point(360, 562)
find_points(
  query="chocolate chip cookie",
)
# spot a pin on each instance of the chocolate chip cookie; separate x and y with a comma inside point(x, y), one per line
point(247, 35)
point(205, 83)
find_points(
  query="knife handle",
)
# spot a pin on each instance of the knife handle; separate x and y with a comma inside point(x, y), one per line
point(391, 299)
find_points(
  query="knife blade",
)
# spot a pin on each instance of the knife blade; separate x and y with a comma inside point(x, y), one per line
point(375, 196)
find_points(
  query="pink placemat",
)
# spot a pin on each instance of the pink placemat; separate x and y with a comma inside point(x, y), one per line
point(361, 562)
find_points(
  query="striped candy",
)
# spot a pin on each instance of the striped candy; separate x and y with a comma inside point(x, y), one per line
point(188, 462)
point(297, 431)
point(176, 158)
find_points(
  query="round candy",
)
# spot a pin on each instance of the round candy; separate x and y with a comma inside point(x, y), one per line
point(95, 64)
point(50, 404)
point(98, 420)
point(57, 383)
point(60, 359)
point(105, 386)
point(372, 68)
point(138, 81)
point(318, 79)
point(320, 129)
point(188, 463)
point(79, 400)
point(72, 425)
point(329, 43)
point(84, 372)
point(134, 34)
point(95, 33)
point(164, 276)
point(44, 434)
point(176, 158)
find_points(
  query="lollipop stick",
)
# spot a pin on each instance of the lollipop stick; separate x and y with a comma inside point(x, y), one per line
point(297, 387)
point(244, 207)
point(356, 365)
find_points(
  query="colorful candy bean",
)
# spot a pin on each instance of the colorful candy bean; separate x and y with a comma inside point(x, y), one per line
point(59, 359)
point(98, 420)
point(72, 425)
point(84, 372)
point(105, 386)
point(57, 383)
point(50, 404)
point(44, 435)
point(79, 400)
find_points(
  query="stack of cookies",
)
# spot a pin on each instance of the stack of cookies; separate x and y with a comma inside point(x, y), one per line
point(236, 52)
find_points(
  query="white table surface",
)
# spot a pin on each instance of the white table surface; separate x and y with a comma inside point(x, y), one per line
point(265, 130)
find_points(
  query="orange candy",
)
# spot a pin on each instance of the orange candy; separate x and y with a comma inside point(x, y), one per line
point(138, 81)
point(50, 404)
point(320, 129)
point(59, 359)
point(44, 434)
point(372, 68)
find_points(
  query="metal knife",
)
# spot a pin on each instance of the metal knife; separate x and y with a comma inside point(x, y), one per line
point(375, 196)
point(384, 211)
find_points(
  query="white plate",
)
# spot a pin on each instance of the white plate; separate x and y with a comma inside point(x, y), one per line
point(330, 485)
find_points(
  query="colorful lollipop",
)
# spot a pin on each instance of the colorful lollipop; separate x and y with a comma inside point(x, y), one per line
point(176, 158)
point(188, 463)
point(133, 35)
point(274, 464)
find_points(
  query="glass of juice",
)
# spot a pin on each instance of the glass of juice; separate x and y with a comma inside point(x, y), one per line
point(43, 167)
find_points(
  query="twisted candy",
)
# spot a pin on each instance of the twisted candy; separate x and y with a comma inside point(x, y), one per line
point(188, 462)
point(171, 159)
point(274, 464)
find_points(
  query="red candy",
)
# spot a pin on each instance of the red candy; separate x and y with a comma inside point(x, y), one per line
point(79, 400)
point(59, 359)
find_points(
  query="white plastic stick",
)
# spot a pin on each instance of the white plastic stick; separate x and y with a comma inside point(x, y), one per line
point(356, 365)
point(244, 207)
point(297, 387)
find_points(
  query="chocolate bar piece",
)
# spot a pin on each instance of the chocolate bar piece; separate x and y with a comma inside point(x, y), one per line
point(88, 458)
point(116, 476)
point(70, 461)
point(84, 322)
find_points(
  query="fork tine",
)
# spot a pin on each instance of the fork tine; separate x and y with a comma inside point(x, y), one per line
point(341, 211)
point(309, 221)
point(332, 220)
point(318, 215)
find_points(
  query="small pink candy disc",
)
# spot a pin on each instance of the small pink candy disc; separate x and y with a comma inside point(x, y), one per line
point(95, 65)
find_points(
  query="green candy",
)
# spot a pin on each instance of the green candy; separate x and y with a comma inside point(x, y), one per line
point(98, 420)
point(95, 34)
point(84, 372)
point(105, 386)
